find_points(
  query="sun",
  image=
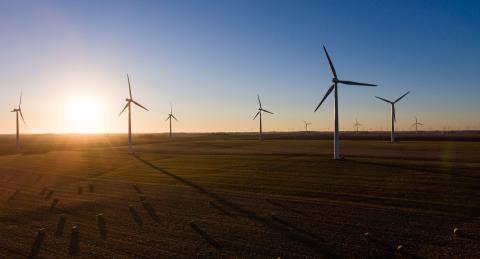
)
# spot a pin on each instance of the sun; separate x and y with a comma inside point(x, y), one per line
point(83, 115)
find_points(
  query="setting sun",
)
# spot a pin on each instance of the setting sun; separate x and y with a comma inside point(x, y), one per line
point(83, 115)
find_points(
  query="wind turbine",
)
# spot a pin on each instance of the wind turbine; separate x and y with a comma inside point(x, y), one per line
point(356, 125)
point(129, 101)
point(392, 132)
point(259, 113)
point(306, 126)
point(416, 125)
point(170, 116)
point(17, 111)
point(336, 81)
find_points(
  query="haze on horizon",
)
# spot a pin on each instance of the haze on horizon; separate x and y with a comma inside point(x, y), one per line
point(211, 58)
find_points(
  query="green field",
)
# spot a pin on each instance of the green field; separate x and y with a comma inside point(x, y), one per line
point(217, 195)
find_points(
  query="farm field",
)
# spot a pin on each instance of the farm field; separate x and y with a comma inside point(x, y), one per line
point(231, 196)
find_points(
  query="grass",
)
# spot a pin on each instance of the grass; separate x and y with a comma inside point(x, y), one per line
point(282, 197)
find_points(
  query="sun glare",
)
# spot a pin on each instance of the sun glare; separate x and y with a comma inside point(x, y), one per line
point(83, 115)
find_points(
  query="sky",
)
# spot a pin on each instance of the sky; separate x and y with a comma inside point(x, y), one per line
point(210, 59)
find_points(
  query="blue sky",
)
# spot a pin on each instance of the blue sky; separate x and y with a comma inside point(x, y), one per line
point(211, 58)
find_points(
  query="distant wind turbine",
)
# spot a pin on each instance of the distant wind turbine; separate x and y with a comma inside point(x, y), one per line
point(356, 125)
point(416, 125)
point(129, 101)
point(17, 111)
point(170, 116)
point(306, 125)
point(392, 132)
point(336, 81)
point(259, 113)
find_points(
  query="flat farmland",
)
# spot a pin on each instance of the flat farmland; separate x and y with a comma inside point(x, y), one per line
point(235, 197)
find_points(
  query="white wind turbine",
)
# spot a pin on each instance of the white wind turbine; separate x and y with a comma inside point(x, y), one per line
point(17, 111)
point(356, 125)
point(129, 101)
point(416, 125)
point(336, 81)
point(306, 126)
point(170, 116)
point(392, 104)
point(259, 113)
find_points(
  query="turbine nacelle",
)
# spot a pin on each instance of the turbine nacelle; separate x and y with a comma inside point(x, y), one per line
point(336, 81)
point(130, 100)
point(260, 108)
point(19, 109)
point(393, 104)
point(170, 115)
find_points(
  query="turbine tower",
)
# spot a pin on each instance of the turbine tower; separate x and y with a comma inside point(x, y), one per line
point(306, 126)
point(416, 125)
point(129, 101)
point(17, 111)
point(334, 87)
point(392, 105)
point(170, 116)
point(259, 113)
point(356, 125)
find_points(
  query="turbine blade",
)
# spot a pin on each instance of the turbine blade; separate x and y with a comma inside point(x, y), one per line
point(325, 97)
point(20, 102)
point(330, 63)
point(21, 115)
point(385, 100)
point(420, 124)
point(401, 97)
point(174, 117)
point(171, 109)
point(129, 87)
point(267, 111)
point(394, 116)
point(259, 102)
point(139, 105)
point(355, 83)
point(256, 115)
point(168, 117)
point(126, 105)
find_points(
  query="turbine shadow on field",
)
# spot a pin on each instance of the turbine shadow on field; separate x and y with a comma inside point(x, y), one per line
point(300, 230)
point(205, 236)
point(305, 240)
point(222, 210)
